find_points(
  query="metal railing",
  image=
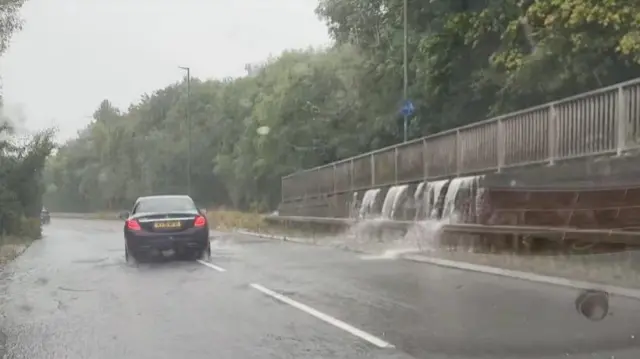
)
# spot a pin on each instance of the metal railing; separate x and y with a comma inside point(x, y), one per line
point(600, 122)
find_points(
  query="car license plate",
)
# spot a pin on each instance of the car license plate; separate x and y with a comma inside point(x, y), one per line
point(168, 252)
point(167, 225)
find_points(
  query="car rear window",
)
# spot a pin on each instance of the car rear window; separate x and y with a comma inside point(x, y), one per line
point(165, 205)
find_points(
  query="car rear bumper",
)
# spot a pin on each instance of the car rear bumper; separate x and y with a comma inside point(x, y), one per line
point(153, 242)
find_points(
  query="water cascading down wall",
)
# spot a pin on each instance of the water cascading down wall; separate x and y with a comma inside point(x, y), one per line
point(567, 163)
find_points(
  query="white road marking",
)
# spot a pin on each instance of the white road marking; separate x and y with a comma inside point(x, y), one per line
point(324, 317)
point(532, 277)
point(211, 265)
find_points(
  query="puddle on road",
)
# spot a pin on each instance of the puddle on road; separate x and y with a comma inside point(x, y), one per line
point(389, 254)
point(376, 243)
point(3, 344)
point(225, 247)
point(91, 261)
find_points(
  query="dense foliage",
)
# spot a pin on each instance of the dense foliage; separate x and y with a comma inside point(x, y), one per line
point(22, 159)
point(9, 21)
point(21, 182)
point(467, 60)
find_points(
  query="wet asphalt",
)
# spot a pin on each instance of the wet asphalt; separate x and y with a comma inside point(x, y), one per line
point(72, 295)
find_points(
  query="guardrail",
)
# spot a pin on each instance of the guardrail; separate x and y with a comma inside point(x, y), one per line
point(104, 216)
point(600, 122)
point(558, 233)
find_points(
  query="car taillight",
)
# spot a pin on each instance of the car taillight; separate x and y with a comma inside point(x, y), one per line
point(200, 221)
point(133, 225)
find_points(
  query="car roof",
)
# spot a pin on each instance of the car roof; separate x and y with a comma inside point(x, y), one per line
point(163, 196)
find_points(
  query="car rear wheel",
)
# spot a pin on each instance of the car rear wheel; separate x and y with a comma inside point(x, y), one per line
point(129, 257)
point(203, 254)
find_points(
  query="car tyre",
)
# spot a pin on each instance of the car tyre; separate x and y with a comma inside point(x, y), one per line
point(205, 254)
point(129, 257)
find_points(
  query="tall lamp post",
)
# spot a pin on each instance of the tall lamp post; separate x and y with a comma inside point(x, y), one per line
point(406, 73)
point(188, 70)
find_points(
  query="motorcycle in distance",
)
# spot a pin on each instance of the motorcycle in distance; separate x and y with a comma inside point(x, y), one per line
point(45, 218)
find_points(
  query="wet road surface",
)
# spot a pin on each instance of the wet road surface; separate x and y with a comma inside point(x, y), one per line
point(72, 295)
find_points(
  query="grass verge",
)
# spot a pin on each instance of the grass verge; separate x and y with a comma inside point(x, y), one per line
point(229, 220)
point(226, 220)
point(12, 246)
point(9, 252)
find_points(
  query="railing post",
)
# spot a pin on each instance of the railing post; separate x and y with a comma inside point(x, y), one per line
point(352, 192)
point(425, 166)
point(621, 122)
point(333, 203)
point(305, 186)
point(373, 170)
point(395, 165)
point(458, 153)
point(318, 183)
point(352, 175)
point(335, 178)
point(552, 129)
point(282, 190)
point(501, 145)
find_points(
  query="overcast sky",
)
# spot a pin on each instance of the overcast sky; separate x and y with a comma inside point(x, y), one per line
point(71, 54)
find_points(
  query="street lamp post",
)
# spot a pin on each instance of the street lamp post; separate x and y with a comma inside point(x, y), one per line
point(406, 73)
point(188, 70)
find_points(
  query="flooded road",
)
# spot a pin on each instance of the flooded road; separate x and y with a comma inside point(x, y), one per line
point(71, 295)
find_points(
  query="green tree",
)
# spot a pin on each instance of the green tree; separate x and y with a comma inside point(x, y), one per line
point(21, 163)
point(21, 182)
point(10, 22)
point(468, 60)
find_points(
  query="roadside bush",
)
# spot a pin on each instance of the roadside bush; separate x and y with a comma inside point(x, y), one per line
point(21, 183)
point(22, 229)
point(30, 228)
point(226, 220)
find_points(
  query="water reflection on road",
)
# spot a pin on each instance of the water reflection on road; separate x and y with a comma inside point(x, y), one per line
point(72, 295)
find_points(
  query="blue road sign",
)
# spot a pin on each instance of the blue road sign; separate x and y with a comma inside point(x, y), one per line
point(407, 108)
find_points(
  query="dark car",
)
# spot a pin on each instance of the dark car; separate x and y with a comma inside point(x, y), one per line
point(45, 217)
point(166, 225)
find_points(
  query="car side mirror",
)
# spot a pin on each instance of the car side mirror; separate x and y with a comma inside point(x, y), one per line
point(203, 211)
point(124, 215)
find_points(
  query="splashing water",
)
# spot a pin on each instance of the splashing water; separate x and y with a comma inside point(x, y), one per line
point(449, 211)
point(419, 191)
point(368, 202)
point(388, 202)
point(373, 235)
point(479, 199)
point(362, 234)
point(388, 254)
point(391, 201)
point(379, 242)
point(418, 200)
point(434, 189)
point(353, 206)
point(425, 235)
point(402, 190)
